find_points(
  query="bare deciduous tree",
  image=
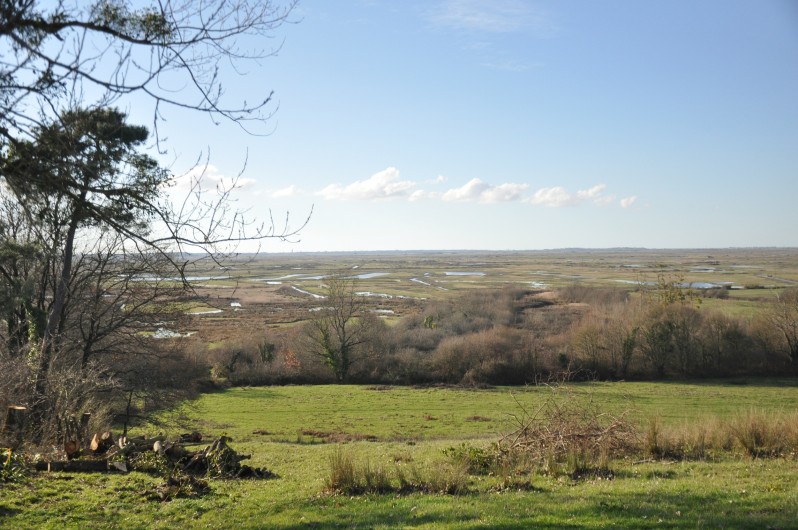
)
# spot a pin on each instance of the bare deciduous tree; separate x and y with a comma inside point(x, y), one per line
point(783, 316)
point(337, 330)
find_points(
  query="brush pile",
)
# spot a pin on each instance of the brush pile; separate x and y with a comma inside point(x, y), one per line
point(157, 455)
point(565, 425)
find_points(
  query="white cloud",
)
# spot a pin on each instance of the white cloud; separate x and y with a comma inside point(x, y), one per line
point(626, 202)
point(387, 184)
point(470, 191)
point(477, 190)
point(383, 185)
point(604, 200)
point(504, 193)
point(554, 197)
point(419, 195)
point(207, 178)
point(289, 191)
point(592, 193)
point(557, 196)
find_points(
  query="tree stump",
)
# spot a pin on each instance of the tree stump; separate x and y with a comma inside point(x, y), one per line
point(83, 431)
point(15, 424)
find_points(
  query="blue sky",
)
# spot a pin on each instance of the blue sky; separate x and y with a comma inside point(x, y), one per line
point(515, 124)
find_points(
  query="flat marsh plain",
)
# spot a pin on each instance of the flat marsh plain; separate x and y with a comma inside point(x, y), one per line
point(294, 431)
point(275, 290)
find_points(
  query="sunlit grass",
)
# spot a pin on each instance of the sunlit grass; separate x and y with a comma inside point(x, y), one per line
point(411, 427)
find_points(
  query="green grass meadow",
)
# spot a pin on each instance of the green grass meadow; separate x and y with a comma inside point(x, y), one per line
point(294, 431)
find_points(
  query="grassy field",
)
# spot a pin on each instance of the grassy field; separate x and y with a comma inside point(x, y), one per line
point(294, 431)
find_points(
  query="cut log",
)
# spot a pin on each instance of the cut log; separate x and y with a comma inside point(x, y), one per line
point(101, 442)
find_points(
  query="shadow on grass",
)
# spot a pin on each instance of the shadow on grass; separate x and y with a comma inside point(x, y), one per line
point(6, 511)
point(248, 392)
point(770, 382)
point(549, 509)
point(683, 509)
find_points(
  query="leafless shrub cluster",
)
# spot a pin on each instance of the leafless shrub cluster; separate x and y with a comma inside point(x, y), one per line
point(513, 336)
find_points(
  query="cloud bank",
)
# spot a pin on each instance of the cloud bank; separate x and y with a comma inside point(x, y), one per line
point(388, 184)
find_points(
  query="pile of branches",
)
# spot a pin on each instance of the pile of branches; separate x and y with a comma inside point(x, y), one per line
point(186, 471)
point(158, 455)
point(565, 425)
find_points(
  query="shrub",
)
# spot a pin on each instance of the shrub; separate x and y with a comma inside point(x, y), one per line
point(12, 466)
point(477, 460)
point(603, 296)
point(493, 356)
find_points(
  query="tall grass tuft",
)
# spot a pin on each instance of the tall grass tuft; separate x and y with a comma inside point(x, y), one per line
point(761, 434)
point(375, 479)
point(348, 478)
point(342, 477)
point(756, 434)
point(696, 441)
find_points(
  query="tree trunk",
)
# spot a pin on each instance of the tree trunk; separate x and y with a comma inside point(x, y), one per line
point(53, 324)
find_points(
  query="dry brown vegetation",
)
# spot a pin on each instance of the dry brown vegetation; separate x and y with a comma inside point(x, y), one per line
point(515, 335)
